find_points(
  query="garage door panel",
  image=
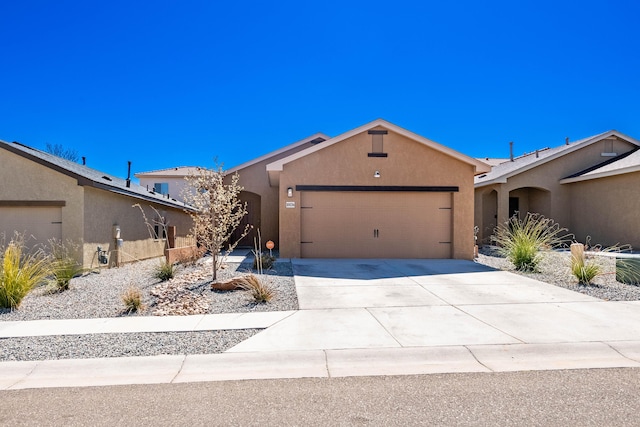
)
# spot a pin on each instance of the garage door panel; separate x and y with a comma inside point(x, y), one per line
point(38, 224)
point(376, 225)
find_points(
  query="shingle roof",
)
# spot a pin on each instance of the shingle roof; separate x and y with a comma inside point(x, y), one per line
point(87, 176)
point(503, 171)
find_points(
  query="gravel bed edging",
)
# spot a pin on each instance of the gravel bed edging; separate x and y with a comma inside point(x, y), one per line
point(554, 269)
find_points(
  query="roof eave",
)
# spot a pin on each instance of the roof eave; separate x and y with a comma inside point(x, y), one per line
point(606, 174)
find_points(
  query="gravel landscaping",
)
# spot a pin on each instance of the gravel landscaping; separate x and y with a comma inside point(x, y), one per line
point(555, 269)
point(99, 295)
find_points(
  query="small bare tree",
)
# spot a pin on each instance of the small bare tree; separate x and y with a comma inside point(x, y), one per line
point(218, 211)
point(60, 151)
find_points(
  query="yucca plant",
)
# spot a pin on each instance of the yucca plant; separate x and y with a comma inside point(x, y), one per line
point(20, 272)
point(521, 240)
point(64, 267)
point(260, 291)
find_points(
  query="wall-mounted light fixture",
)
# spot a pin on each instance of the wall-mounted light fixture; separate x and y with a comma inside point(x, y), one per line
point(376, 174)
point(289, 192)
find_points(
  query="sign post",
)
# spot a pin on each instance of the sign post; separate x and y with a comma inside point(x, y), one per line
point(270, 245)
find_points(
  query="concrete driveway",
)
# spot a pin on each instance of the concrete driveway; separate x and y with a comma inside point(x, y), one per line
point(368, 317)
point(461, 308)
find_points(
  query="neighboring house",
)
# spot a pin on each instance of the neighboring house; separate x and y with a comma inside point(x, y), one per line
point(373, 192)
point(169, 182)
point(46, 197)
point(590, 186)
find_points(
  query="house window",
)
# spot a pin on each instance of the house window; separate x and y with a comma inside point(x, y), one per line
point(377, 143)
point(161, 187)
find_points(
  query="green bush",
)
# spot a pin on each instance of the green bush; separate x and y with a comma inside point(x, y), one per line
point(20, 272)
point(64, 266)
point(164, 271)
point(267, 261)
point(521, 240)
point(628, 271)
point(584, 271)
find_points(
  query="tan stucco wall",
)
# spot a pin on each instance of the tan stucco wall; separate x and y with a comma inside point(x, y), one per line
point(408, 163)
point(607, 209)
point(104, 209)
point(545, 177)
point(25, 180)
point(254, 179)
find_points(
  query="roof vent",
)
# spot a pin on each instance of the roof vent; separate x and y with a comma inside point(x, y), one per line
point(511, 151)
point(106, 177)
point(566, 141)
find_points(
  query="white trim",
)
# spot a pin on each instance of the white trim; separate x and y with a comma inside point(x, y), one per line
point(589, 176)
point(480, 166)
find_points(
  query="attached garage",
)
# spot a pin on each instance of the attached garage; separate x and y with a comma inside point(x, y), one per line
point(37, 223)
point(376, 224)
point(377, 191)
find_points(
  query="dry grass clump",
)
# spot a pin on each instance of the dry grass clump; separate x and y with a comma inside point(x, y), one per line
point(260, 291)
point(132, 300)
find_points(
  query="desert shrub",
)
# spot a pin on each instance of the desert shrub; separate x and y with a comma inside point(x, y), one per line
point(132, 300)
point(260, 291)
point(628, 271)
point(584, 271)
point(266, 261)
point(64, 267)
point(20, 272)
point(521, 240)
point(164, 271)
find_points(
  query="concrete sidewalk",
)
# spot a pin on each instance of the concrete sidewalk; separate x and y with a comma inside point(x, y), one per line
point(369, 317)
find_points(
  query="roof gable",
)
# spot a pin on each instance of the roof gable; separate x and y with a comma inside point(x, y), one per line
point(626, 163)
point(315, 138)
point(275, 167)
point(87, 176)
point(500, 173)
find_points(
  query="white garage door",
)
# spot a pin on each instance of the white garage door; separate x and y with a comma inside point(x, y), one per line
point(376, 224)
point(37, 223)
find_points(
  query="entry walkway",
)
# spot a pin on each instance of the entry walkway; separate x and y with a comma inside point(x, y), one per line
point(370, 317)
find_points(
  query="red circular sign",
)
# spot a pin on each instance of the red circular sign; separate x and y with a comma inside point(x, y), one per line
point(270, 245)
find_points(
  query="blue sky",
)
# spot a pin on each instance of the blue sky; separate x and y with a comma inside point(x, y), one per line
point(168, 83)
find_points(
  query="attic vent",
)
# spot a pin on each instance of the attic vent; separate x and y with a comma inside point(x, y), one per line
point(608, 150)
point(106, 177)
point(318, 140)
point(377, 143)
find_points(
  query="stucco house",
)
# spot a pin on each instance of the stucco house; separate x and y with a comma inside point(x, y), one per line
point(590, 186)
point(373, 192)
point(48, 197)
point(169, 182)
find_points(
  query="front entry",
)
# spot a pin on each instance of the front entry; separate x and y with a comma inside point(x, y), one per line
point(372, 224)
